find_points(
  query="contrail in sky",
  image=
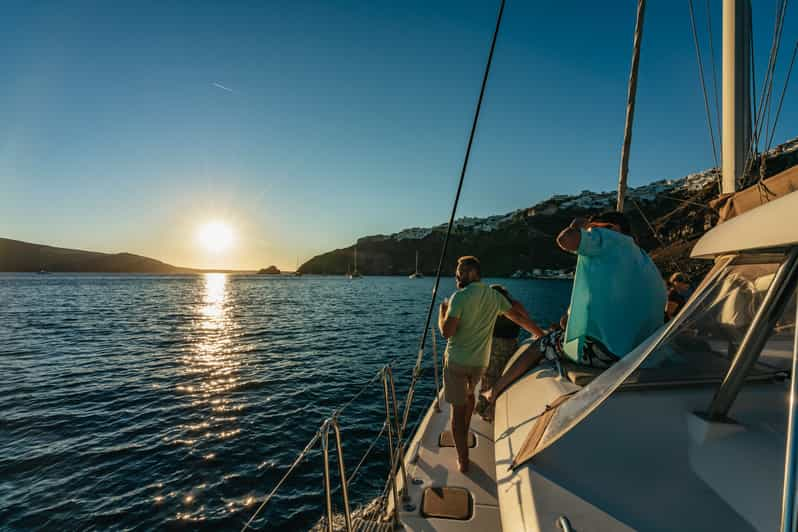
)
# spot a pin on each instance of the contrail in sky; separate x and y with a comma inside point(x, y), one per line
point(220, 86)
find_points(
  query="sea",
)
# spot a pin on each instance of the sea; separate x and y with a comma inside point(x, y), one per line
point(139, 402)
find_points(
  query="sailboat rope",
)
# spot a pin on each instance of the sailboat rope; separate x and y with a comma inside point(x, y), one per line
point(763, 110)
point(277, 486)
point(769, 80)
point(714, 69)
point(781, 98)
point(704, 86)
point(449, 227)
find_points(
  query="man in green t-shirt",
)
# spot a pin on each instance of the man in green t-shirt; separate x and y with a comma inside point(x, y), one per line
point(467, 320)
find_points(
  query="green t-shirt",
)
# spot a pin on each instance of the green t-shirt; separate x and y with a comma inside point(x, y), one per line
point(477, 305)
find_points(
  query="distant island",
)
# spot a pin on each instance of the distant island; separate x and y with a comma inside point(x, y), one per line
point(18, 256)
point(271, 270)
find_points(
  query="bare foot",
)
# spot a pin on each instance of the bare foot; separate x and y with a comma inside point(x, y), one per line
point(462, 466)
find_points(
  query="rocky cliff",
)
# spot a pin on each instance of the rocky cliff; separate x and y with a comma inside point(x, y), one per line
point(668, 216)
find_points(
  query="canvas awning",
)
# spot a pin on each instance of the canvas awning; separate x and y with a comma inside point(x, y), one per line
point(731, 205)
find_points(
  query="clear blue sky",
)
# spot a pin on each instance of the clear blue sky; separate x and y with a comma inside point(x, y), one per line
point(331, 120)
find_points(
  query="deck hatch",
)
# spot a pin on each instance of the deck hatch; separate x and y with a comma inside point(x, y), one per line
point(447, 503)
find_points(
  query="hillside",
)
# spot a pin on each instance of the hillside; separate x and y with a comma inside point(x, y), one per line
point(17, 256)
point(675, 214)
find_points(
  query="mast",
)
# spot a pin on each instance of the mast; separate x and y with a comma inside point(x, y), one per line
point(736, 136)
point(416, 261)
point(630, 105)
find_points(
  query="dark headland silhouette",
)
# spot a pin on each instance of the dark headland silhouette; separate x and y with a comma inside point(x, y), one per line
point(18, 256)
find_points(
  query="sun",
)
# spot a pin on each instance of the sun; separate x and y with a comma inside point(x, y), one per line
point(216, 236)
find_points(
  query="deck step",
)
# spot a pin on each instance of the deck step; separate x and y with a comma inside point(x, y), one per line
point(445, 502)
point(447, 440)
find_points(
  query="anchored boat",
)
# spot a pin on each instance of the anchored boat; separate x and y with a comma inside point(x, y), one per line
point(416, 274)
point(354, 274)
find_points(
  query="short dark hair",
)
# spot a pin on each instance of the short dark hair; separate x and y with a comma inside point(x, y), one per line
point(614, 218)
point(470, 262)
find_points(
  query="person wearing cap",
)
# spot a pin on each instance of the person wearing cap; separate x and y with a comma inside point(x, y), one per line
point(678, 293)
point(616, 301)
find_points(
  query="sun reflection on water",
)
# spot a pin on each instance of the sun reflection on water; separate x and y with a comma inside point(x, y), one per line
point(210, 369)
point(215, 292)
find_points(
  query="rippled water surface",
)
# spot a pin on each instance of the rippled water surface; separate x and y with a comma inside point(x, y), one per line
point(143, 402)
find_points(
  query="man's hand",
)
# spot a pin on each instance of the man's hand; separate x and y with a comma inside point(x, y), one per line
point(519, 315)
point(570, 237)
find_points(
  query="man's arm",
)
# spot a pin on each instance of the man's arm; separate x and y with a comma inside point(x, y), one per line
point(447, 326)
point(570, 237)
point(519, 315)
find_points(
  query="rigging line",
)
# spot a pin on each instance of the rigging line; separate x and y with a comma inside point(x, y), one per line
point(297, 461)
point(654, 232)
point(780, 21)
point(781, 98)
point(685, 202)
point(365, 455)
point(714, 71)
point(423, 341)
point(767, 84)
point(362, 389)
point(645, 219)
point(703, 84)
point(753, 110)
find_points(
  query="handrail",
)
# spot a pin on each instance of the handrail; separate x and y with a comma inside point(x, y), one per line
point(319, 436)
point(325, 434)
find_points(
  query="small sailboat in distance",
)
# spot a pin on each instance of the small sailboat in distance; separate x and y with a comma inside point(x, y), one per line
point(354, 274)
point(416, 274)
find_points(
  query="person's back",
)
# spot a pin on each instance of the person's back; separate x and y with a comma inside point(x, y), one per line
point(616, 302)
point(618, 295)
point(477, 306)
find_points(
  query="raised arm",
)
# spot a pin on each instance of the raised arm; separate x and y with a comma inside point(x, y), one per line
point(519, 315)
point(570, 237)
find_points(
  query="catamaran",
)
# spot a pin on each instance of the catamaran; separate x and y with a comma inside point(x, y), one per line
point(695, 429)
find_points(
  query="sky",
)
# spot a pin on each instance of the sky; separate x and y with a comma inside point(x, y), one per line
point(303, 125)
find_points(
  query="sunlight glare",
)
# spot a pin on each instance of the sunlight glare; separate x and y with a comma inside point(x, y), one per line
point(216, 236)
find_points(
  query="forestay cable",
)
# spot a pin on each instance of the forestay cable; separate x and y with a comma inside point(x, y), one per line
point(703, 84)
point(446, 239)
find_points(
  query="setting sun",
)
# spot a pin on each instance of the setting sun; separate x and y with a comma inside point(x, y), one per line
point(216, 236)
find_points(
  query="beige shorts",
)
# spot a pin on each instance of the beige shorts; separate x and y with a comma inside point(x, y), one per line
point(460, 382)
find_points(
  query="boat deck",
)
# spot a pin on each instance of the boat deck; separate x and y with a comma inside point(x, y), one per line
point(431, 466)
